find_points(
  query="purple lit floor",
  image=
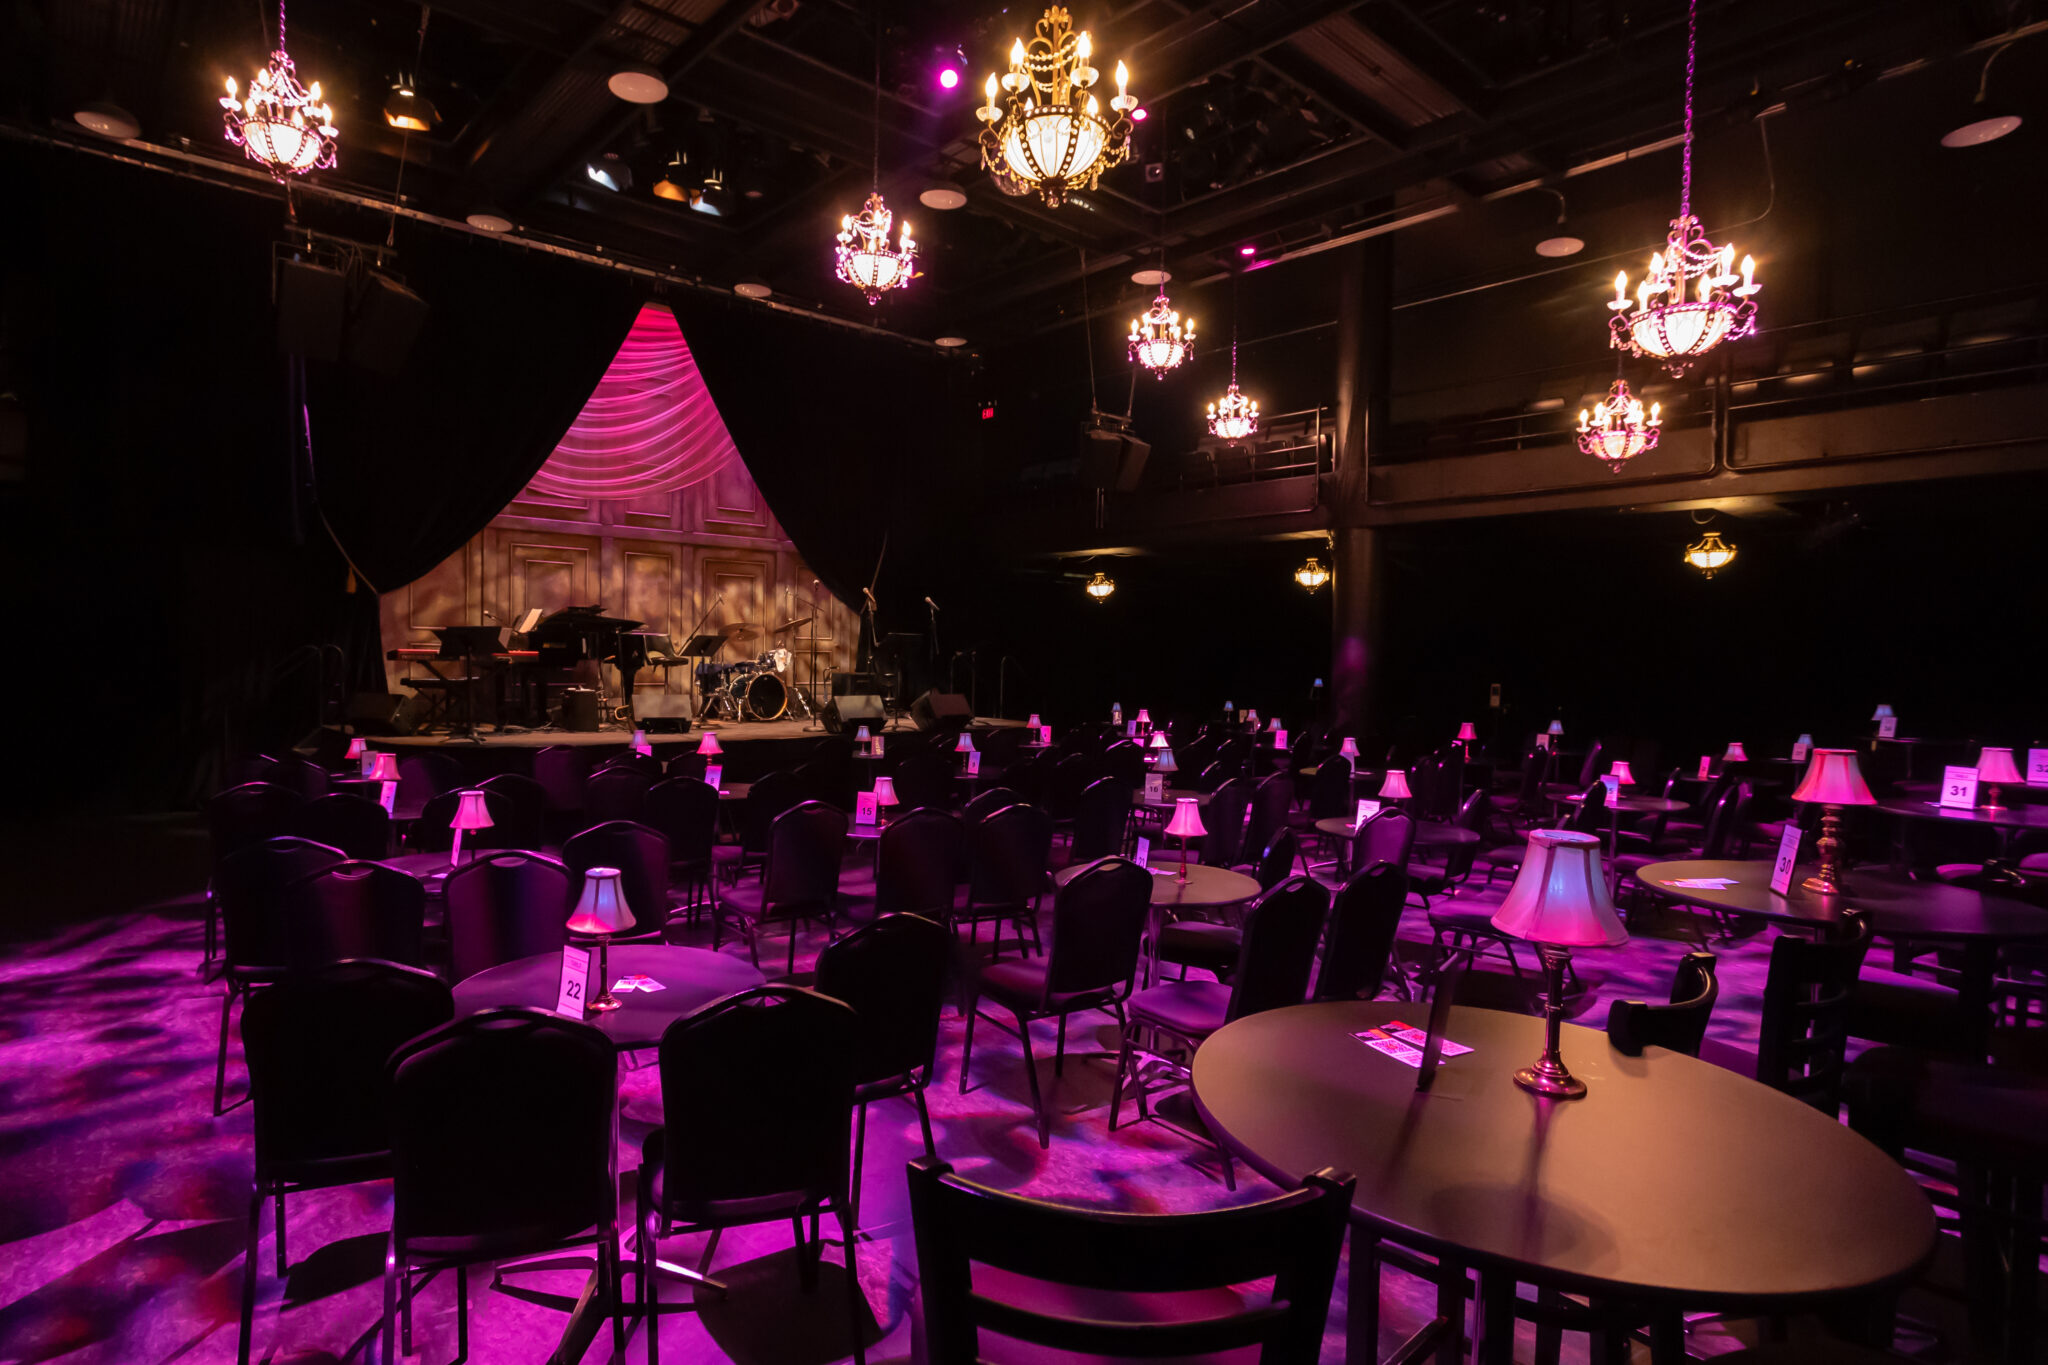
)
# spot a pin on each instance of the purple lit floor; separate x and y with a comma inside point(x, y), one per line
point(122, 1197)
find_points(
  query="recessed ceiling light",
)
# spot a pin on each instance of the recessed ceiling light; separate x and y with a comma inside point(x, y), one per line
point(752, 289)
point(1989, 126)
point(1560, 245)
point(108, 120)
point(408, 110)
point(1248, 250)
point(638, 85)
point(942, 195)
point(1151, 278)
point(488, 220)
point(949, 342)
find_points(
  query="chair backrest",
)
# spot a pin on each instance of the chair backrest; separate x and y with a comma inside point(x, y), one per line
point(1536, 770)
point(1595, 762)
point(615, 793)
point(505, 906)
point(893, 972)
point(1438, 780)
point(1101, 817)
point(502, 1131)
point(827, 778)
point(989, 800)
point(919, 859)
point(1098, 918)
point(1329, 791)
point(318, 1043)
point(1680, 1025)
point(265, 768)
point(758, 1089)
point(1069, 779)
point(642, 856)
point(771, 795)
point(1223, 816)
point(355, 825)
point(1805, 1023)
point(561, 770)
point(249, 814)
point(1278, 857)
point(925, 779)
point(250, 886)
point(1388, 837)
point(685, 810)
point(431, 833)
point(1365, 918)
point(688, 763)
point(647, 765)
point(1007, 856)
point(1590, 817)
point(424, 776)
point(1724, 823)
point(355, 909)
point(519, 810)
point(804, 853)
point(1272, 799)
point(302, 775)
point(1291, 1239)
point(1125, 762)
point(1277, 950)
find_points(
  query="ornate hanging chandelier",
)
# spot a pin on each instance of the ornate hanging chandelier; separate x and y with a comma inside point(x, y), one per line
point(1050, 135)
point(1618, 430)
point(1690, 301)
point(1710, 554)
point(865, 259)
point(1101, 586)
point(283, 126)
point(1160, 340)
point(1312, 575)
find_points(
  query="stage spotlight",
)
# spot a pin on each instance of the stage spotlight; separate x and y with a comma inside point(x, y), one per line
point(610, 174)
point(408, 110)
point(948, 78)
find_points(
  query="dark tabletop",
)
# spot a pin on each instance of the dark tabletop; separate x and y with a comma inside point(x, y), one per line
point(1428, 834)
point(1673, 1180)
point(2007, 817)
point(1173, 795)
point(1897, 907)
point(693, 977)
point(1205, 886)
point(1635, 805)
point(735, 791)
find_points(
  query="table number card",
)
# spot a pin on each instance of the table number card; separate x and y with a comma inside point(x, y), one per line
point(1706, 767)
point(1543, 743)
point(387, 796)
point(1045, 735)
point(1958, 788)
point(1366, 810)
point(1613, 785)
point(1144, 858)
point(1788, 860)
point(1888, 728)
point(1155, 787)
point(1801, 752)
point(864, 808)
point(1279, 739)
point(974, 763)
point(2037, 767)
point(569, 994)
point(714, 773)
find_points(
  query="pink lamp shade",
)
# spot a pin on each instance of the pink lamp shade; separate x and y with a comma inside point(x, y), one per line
point(1035, 723)
point(1735, 753)
point(1995, 767)
point(1165, 763)
point(1620, 773)
point(885, 790)
point(1468, 732)
point(1159, 740)
point(862, 734)
point(383, 767)
point(1349, 748)
point(966, 744)
point(601, 909)
point(1275, 724)
point(1144, 716)
point(709, 745)
point(640, 744)
point(1883, 712)
point(472, 811)
point(1557, 727)
point(357, 747)
point(1395, 788)
point(1833, 779)
point(1560, 895)
point(1187, 819)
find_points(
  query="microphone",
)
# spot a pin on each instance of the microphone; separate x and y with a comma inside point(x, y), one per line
point(933, 605)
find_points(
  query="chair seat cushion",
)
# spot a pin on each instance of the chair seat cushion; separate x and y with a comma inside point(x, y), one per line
point(1507, 855)
point(1912, 1011)
point(754, 1207)
point(1194, 1009)
point(1019, 984)
point(1458, 919)
point(1200, 944)
point(1100, 1305)
point(749, 900)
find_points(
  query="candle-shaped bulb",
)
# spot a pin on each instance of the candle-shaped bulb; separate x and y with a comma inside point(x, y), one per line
point(233, 89)
point(1123, 78)
point(990, 88)
point(1084, 47)
point(1749, 272)
point(1093, 107)
point(1655, 409)
point(1017, 54)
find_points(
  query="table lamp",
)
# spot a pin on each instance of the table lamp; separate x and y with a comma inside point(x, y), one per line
point(709, 746)
point(1804, 742)
point(1734, 753)
point(472, 811)
point(1159, 740)
point(640, 744)
point(1556, 727)
point(1834, 781)
point(1274, 726)
point(1395, 788)
point(357, 747)
point(1883, 712)
point(885, 797)
point(1116, 713)
point(383, 770)
point(1035, 723)
point(1144, 719)
point(1559, 902)
point(1995, 769)
point(1185, 825)
point(1163, 762)
point(861, 735)
point(1620, 773)
point(601, 911)
point(1349, 749)
point(966, 744)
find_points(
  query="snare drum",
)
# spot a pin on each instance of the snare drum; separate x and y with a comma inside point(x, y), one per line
point(761, 697)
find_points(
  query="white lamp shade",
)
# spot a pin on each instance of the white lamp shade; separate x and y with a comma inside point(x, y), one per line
point(1187, 819)
point(1159, 739)
point(709, 745)
point(1557, 727)
point(1349, 748)
point(1468, 732)
point(356, 749)
point(1833, 779)
point(1165, 763)
point(1620, 773)
point(1560, 895)
point(472, 811)
point(1996, 766)
point(601, 909)
point(862, 734)
point(1883, 712)
point(966, 744)
point(1395, 788)
point(885, 791)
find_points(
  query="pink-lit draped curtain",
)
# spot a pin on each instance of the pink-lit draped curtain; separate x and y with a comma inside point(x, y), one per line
point(649, 427)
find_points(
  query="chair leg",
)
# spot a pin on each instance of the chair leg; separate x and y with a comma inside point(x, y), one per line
point(405, 1291)
point(860, 1147)
point(249, 1275)
point(1059, 1055)
point(282, 1261)
point(1123, 1063)
point(390, 1299)
point(924, 1119)
point(1031, 1075)
point(806, 1264)
point(790, 968)
point(608, 1272)
point(854, 1301)
point(220, 1068)
point(1362, 1300)
point(462, 1310)
point(967, 1045)
point(650, 1295)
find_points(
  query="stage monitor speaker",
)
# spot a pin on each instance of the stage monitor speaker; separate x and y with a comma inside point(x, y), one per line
point(384, 324)
point(663, 712)
point(312, 305)
point(1112, 460)
point(581, 710)
point(845, 715)
point(941, 711)
point(380, 713)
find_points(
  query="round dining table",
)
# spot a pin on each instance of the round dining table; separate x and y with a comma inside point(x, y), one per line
point(1172, 797)
point(690, 977)
point(1672, 1185)
point(1206, 888)
point(1428, 833)
point(2004, 821)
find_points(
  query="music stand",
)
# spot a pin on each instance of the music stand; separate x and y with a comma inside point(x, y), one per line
point(468, 643)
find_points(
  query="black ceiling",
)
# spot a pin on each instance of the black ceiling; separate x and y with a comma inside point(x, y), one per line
point(1275, 124)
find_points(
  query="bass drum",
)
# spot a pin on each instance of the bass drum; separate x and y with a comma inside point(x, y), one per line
point(762, 697)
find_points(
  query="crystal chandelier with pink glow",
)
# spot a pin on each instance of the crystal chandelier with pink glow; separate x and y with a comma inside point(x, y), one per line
point(1618, 429)
point(284, 127)
point(864, 258)
point(1691, 300)
point(1161, 340)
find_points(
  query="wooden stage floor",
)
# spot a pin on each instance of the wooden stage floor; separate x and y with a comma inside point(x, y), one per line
point(728, 732)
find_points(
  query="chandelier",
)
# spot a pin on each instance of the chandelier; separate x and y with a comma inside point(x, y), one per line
point(1690, 301)
point(1710, 554)
point(1050, 135)
point(864, 258)
point(1618, 430)
point(1160, 341)
point(1101, 586)
point(282, 125)
point(1312, 575)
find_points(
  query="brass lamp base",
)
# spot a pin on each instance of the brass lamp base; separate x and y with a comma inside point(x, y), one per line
point(1549, 1076)
point(1828, 881)
point(604, 1000)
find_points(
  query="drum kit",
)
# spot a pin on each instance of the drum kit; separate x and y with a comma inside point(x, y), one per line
point(758, 689)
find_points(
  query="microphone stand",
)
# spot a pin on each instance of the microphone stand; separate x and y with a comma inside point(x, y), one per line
point(696, 692)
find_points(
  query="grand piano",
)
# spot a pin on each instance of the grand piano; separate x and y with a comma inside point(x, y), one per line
point(525, 682)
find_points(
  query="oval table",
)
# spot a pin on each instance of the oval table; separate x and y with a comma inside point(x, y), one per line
point(1207, 888)
point(2005, 821)
point(1673, 1184)
point(692, 978)
point(1428, 834)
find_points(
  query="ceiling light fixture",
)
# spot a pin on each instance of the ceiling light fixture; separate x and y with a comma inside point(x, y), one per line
point(1618, 429)
point(1160, 340)
point(864, 259)
point(676, 184)
point(950, 343)
point(1312, 575)
point(488, 219)
point(1710, 554)
point(1233, 416)
point(949, 78)
point(1101, 586)
point(108, 120)
point(610, 173)
point(638, 84)
point(284, 127)
point(943, 196)
point(752, 289)
point(1689, 302)
point(1559, 242)
point(408, 110)
point(1050, 135)
point(1987, 121)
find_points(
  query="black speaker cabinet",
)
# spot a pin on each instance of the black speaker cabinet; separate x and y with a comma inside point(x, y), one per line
point(380, 713)
point(845, 715)
point(312, 303)
point(663, 712)
point(384, 324)
point(941, 711)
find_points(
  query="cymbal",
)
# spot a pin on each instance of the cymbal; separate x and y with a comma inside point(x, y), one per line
point(792, 625)
point(738, 633)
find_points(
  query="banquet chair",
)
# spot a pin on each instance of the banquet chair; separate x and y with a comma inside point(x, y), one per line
point(1387, 837)
point(769, 797)
point(1098, 919)
point(355, 909)
point(562, 770)
point(647, 765)
point(1679, 1025)
point(893, 973)
point(615, 793)
point(1275, 958)
point(237, 817)
point(504, 907)
point(502, 1145)
point(919, 862)
point(520, 811)
point(989, 800)
point(1329, 793)
point(249, 889)
point(685, 811)
point(767, 1080)
point(688, 763)
point(827, 778)
point(1008, 854)
point(1125, 761)
point(1437, 880)
point(1100, 819)
point(354, 824)
point(1803, 1034)
point(1194, 941)
point(264, 768)
point(422, 777)
point(1720, 831)
point(1358, 942)
point(1223, 816)
point(640, 854)
point(316, 1044)
point(1000, 746)
point(1051, 1278)
point(1071, 777)
point(800, 882)
point(1272, 801)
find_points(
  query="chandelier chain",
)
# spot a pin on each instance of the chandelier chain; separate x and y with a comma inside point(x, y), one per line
point(1692, 47)
point(875, 181)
